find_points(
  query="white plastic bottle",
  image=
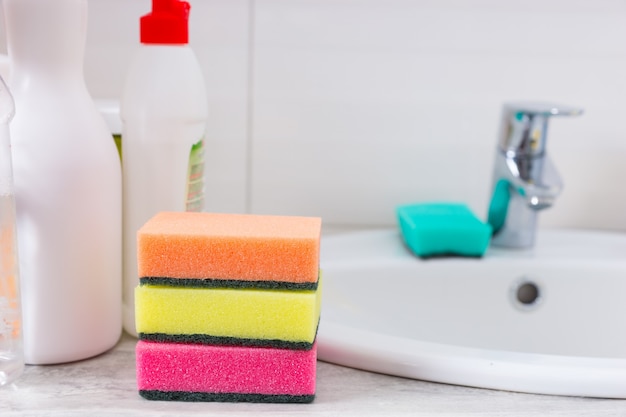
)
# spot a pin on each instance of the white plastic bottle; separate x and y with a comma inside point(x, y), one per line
point(67, 186)
point(164, 113)
point(11, 350)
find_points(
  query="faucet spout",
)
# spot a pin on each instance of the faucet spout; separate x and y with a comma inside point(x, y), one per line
point(525, 181)
point(518, 197)
point(535, 179)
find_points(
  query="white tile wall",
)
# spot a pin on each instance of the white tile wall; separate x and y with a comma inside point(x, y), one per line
point(346, 108)
point(361, 105)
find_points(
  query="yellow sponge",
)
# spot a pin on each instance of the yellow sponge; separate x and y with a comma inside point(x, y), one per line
point(283, 318)
point(238, 247)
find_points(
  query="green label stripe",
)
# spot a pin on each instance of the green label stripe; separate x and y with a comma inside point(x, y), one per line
point(195, 175)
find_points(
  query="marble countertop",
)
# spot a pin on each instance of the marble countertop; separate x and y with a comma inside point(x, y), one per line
point(105, 386)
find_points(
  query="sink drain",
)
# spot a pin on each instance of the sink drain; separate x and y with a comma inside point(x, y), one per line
point(526, 294)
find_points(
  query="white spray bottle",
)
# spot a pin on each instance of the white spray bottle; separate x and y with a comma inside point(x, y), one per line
point(67, 187)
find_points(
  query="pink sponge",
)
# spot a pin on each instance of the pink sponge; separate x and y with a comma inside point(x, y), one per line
point(190, 372)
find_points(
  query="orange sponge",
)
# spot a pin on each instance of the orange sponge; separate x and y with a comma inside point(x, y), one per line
point(241, 247)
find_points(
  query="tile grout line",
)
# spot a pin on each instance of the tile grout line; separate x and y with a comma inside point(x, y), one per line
point(250, 107)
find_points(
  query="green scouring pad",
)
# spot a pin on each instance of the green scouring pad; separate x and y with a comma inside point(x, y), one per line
point(437, 229)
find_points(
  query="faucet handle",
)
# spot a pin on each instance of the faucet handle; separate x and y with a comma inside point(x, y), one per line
point(524, 126)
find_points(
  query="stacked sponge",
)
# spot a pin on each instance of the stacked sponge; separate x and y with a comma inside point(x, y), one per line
point(227, 307)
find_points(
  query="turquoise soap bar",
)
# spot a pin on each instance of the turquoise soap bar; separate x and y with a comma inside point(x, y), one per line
point(434, 229)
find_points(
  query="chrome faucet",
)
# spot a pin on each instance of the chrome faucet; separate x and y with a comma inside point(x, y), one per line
point(524, 179)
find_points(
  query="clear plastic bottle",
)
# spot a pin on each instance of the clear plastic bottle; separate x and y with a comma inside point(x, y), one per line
point(11, 353)
point(67, 188)
point(164, 113)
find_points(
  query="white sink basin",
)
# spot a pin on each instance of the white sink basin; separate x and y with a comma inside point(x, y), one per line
point(467, 322)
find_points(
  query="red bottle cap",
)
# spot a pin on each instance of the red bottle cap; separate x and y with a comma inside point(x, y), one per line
point(168, 23)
